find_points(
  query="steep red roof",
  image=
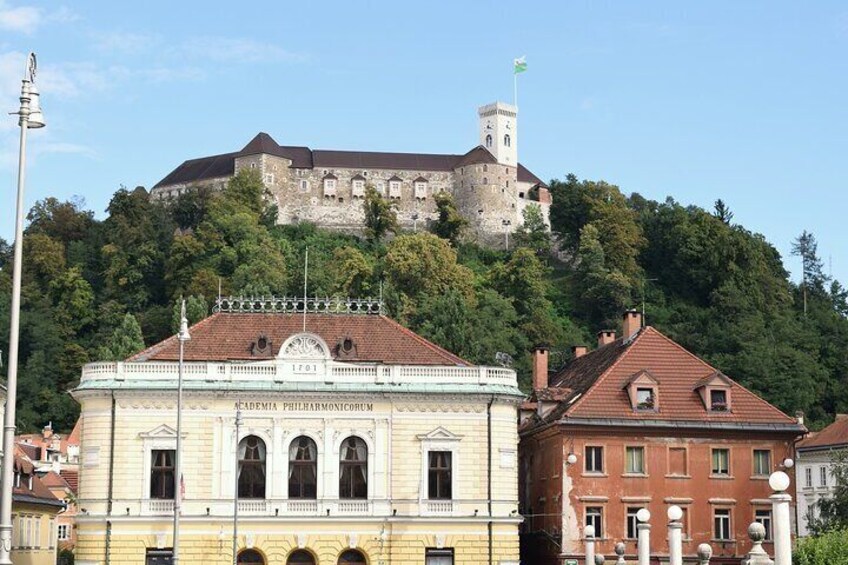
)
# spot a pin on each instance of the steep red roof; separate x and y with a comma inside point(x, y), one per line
point(74, 437)
point(230, 336)
point(53, 479)
point(38, 493)
point(835, 435)
point(598, 379)
point(71, 477)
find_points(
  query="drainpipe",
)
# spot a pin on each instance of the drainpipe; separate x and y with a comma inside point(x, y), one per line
point(489, 470)
point(109, 491)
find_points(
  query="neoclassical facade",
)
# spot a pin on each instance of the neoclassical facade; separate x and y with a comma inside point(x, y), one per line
point(341, 438)
point(327, 187)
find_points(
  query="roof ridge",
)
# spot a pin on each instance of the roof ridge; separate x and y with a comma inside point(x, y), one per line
point(734, 381)
point(624, 343)
point(438, 349)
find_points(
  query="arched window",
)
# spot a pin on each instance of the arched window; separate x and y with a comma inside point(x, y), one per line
point(352, 557)
point(301, 557)
point(251, 469)
point(303, 469)
point(507, 140)
point(353, 469)
point(489, 140)
point(250, 557)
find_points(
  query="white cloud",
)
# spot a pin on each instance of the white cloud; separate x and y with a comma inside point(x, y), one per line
point(23, 19)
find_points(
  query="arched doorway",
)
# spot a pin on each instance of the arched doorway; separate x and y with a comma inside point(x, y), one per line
point(300, 557)
point(352, 557)
point(250, 557)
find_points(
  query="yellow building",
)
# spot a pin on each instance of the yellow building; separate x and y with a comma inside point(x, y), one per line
point(359, 443)
point(34, 513)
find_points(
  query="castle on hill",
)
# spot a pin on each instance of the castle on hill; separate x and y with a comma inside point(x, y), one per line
point(326, 187)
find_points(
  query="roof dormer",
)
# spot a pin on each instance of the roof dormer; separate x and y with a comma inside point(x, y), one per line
point(715, 392)
point(642, 389)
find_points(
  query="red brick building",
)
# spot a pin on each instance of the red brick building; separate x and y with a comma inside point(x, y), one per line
point(642, 423)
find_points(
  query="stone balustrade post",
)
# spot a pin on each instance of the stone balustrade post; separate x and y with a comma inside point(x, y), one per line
point(757, 555)
point(780, 500)
point(675, 536)
point(705, 552)
point(643, 542)
point(619, 551)
point(599, 559)
point(589, 535)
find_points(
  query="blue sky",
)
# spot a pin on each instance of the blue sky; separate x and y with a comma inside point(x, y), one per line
point(744, 101)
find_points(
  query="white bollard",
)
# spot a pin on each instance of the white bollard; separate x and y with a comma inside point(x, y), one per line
point(620, 549)
point(589, 533)
point(643, 536)
point(675, 536)
point(757, 555)
point(779, 482)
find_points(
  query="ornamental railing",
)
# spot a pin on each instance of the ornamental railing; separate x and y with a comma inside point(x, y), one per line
point(282, 371)
point(297, 305)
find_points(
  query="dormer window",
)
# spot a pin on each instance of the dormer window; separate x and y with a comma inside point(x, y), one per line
point(642, 390)
point(394, 187)
point(715, 391)
point(358, 186)
point(420, 188)
point(718, 400)
point(330, 186)
point(644, 398)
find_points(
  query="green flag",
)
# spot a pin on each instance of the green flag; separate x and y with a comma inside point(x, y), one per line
point(520, 65)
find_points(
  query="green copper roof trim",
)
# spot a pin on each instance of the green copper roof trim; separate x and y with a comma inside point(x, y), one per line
point(271, 386)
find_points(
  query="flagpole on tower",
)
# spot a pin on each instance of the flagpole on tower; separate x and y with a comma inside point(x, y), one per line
point(519, 65)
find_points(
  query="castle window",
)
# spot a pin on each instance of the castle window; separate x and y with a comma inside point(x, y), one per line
point(485, 180)
point(330, 187)
point(304, 185)
point(485, 168)
point(381, 188)
point(269, 179)
point(421, 189)
point(358, 190)
point(394, 189)
point(489, 140)
point(507, 140)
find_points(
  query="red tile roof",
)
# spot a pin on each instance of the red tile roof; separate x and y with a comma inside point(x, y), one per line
point(71, 477)
point(597, 380)
point(74, 437)
point(230, 336)
point(834, 435)
point(39, 493)
point(53, 479)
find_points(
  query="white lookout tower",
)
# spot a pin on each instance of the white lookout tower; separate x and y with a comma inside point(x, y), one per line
point(499, 131)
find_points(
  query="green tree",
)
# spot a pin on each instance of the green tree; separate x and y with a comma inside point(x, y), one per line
point(722, 211)
point(124, 342)
point(380, 215)
point(533, 232)
point(423, 263)
point(828, 548)
point(449, 224)
point(352, 271)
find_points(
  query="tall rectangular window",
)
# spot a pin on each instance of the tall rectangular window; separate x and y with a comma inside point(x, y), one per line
point(762, 462)
point(721, 462)
point(677, 461)
point(594, 459)
point(438, 557)
point(721, 524)
point(634, 460)
point(822, 476)
point(63, 532)
point(808, 476)
point(595, 518)
point(764, 518)
point(394, 189)
point(162, 474)
point(632, 522)
point(439, 475)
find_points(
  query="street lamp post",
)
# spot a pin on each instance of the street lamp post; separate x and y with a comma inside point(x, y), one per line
point(183, 336)
point(29, 117)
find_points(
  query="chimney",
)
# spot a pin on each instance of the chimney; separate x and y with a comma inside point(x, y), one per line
point(605, 337)
point(47, 432)
point(540, 367)
point(841, 417)
point(579, 351)
point(799, 416)
point(631, 323)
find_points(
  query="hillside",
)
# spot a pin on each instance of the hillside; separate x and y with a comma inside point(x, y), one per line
point(97, 290)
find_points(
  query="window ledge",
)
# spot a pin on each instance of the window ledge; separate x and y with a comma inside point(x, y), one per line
point(759, 477)
point(635, 475)
point(594, 475)
point(678, 476)
point(715, 540)
point(722, 477)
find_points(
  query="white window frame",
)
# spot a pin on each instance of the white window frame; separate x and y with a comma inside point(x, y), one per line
point(381, 187)
point(719, 473)
point(59, 532)
point(644, 469)
point(304, 185)
point(336, 472)
point(808, 477)
point(630, 518)
point(358, 188)
point(320, 486)
point(330, 187)
point(268, 179)
point(160, 437)
point(764, 517)
point(421, 190)
point(440, 439)
point(440, 556)
point(726, 518)
point(823, 476)
point(395, 190)
point(760, 472)
point(600, 519)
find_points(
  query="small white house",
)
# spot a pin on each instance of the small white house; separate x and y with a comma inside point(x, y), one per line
point(814, 477)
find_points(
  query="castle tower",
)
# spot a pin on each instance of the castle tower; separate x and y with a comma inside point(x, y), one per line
point(499, 131)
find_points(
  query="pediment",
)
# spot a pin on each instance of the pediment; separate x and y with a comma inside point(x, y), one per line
point(163, 431)
point(304, 346)
point(643, 377)
point(716, 379)
point(440, 434)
